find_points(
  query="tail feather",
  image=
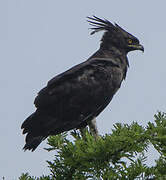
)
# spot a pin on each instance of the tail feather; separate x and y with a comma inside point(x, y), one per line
point(28, 123)
point(33, 142)
point(39, 126)
point(34, 126)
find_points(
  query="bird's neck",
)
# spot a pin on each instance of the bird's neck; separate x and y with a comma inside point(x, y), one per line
point(113, 53)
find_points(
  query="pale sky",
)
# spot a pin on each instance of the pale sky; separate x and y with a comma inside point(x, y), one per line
point(41, 38)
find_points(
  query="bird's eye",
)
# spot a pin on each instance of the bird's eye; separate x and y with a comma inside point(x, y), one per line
point(130, 41)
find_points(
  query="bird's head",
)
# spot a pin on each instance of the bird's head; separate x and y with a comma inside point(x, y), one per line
point(114, 35)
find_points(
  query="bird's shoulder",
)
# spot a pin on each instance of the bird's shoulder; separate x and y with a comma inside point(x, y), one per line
point(88, 75)
point(83, 70)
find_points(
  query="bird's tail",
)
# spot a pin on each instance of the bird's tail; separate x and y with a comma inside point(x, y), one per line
point(33, 127)
point(33, 143)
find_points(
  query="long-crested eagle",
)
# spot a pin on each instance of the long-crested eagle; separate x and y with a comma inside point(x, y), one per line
point(75, 97)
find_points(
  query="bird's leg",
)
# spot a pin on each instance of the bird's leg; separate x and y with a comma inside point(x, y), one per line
point(93, 128)
point(83, 132)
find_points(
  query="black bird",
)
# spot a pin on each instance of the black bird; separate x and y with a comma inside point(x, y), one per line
point(74, 98)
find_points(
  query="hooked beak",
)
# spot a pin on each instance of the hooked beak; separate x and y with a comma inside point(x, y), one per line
point(140, 47)
point(136, 47)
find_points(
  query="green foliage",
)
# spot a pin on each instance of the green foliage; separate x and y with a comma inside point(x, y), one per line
point(27, 177)
point(119, 155)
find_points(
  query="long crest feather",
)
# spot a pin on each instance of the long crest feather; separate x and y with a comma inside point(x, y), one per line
point(100, 24)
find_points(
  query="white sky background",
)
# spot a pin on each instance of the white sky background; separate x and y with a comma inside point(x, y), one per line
point(41, 38)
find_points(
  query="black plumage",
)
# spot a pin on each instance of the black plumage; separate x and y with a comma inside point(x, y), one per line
point(75, 97)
